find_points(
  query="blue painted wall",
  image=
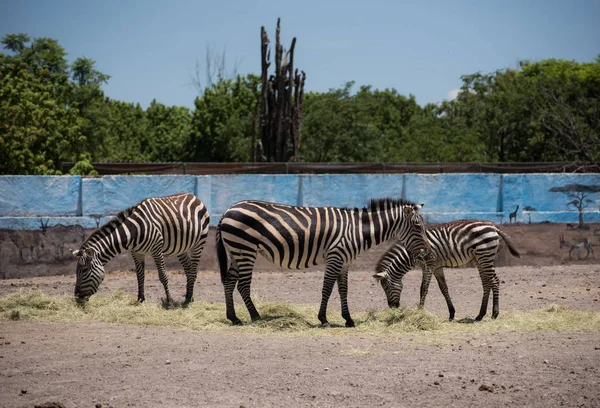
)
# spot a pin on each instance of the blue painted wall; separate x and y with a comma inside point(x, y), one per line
point(26, 201)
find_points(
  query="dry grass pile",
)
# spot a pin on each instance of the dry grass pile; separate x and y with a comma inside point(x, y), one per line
point(281, 318)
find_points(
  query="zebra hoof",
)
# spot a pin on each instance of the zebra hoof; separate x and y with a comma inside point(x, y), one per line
point(141, 299)
point(237, 322)
point(325, 325)
point(168, 304)
point(350, 323)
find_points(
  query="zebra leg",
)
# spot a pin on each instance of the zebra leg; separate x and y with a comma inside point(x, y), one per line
point(342, 282)
point(190, 274)
point(331, 275)
point(138, 259)
point(441, 280)
point(244, 283)
point(426, 279)
point(229, 284)
point(192, 271)
point(486, 282)
point(495, 294)
point(159, 259)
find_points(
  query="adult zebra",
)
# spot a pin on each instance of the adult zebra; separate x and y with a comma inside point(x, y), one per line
point(300, 237)
point(171, 225)
point(452, 245)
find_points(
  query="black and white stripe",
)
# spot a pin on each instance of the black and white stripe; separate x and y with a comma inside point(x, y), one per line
point(452, 245)
point(300, 237)
point(172, 225)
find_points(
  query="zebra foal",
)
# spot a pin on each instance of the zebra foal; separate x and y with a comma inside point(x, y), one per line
point(171, 225)
point(300, 237)
point(452, 245)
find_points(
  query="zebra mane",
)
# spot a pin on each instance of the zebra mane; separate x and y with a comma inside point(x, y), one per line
point(383, 261)
point(377, 204)
point(109, 227)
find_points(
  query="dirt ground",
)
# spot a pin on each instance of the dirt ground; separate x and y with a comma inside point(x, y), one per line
point(86, 364)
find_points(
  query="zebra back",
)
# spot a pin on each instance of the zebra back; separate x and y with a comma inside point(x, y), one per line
point(452, 244)
point(171, 224)
point(299, 237)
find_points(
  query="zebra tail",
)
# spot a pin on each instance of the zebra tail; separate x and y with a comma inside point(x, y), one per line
point(221, 255)
point(509, 244)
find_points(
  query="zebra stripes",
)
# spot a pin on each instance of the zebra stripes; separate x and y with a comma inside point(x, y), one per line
point(300, 237)
point(171, 225)
point(452, 245)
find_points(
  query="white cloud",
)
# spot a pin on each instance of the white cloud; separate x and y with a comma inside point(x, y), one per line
point(452, 94)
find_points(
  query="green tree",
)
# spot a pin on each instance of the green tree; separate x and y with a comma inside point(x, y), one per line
point(223, 121)
point(127, 136)
point(566, 107)
point(169, 132)
point(440, 134)
point(87, 96)
point(37, 127)
point(543, 111)
point(369, 125)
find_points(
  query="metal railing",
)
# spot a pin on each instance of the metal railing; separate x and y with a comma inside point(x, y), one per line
point(108, 168)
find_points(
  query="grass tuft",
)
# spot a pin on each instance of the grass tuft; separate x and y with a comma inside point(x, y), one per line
point(281, 318)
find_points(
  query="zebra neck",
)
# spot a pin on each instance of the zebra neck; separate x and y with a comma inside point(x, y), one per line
point(110, 240)
point(377, 227)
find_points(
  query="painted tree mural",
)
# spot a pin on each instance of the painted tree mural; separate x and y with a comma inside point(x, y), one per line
point(579, 194)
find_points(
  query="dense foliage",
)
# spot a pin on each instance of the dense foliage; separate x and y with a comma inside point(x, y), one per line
point(53, 111)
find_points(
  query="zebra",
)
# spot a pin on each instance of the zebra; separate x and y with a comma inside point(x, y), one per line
point(452, 245)
point(300, 237)
point(163, 226)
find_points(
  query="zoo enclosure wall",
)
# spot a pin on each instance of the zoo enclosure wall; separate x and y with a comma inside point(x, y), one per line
point(34, 202)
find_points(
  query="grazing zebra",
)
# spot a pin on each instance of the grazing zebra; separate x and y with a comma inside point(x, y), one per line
point(300, 237)
point(171, 225)
point(452, 245)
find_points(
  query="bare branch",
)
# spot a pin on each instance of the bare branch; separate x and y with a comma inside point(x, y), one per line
point(214, 71)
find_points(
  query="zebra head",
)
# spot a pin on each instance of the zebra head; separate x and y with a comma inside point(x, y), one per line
point(391, 287)
point(411, 232)
point(89, 273)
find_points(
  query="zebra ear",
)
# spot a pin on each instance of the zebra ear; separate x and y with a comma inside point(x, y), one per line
point(419, 206)
point(75, 252)
point(380, 276)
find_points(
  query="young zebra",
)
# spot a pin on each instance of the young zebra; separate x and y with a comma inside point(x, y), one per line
point(453, 244)
point(172, 225)
point(300, 237)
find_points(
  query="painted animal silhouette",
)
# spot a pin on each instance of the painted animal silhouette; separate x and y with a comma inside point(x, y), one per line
point(513, 215)
point(577, 245)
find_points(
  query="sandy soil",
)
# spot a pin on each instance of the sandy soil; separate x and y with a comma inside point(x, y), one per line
point(85, 364)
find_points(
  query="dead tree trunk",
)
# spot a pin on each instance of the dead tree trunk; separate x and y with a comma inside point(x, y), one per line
point(280, 104)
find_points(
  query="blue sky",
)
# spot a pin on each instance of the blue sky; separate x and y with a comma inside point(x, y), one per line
point(150, 47)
